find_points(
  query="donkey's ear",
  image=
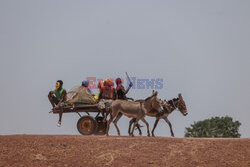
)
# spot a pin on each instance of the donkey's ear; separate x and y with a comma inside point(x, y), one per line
point(180, 96)
point(156, 93)
point(153, 92)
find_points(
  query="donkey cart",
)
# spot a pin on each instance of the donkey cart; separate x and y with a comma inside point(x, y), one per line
point(87, 124)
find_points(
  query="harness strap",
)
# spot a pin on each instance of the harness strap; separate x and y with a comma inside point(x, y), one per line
point(174, 104)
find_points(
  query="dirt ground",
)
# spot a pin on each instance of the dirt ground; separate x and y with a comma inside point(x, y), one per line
point(67, 151)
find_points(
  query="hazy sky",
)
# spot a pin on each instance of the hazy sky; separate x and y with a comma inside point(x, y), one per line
point(200, 49)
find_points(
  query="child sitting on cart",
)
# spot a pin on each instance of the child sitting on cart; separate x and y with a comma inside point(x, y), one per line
point(56, 97)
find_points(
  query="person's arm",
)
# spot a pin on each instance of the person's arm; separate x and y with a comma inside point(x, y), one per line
point(115, 94)
point(130, 85)
point(91, 92)
point(100, 95)
point(64, 94)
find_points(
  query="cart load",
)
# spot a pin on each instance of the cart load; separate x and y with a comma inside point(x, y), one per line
point(80, 95)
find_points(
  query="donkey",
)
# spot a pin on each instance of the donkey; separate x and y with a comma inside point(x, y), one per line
point(169, 107)
point(136, 110)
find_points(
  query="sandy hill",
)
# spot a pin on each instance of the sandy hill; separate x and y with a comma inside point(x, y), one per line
point(67, 151)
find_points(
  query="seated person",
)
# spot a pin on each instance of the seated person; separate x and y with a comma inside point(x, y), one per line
point(106, 96)
point(56, 97)
point(86, 85)
point(100, 86)
point(121, 92)
point(107, 91)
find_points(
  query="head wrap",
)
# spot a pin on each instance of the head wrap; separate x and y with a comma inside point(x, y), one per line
point(109, 82)
point(85, 83)
point(118, 81)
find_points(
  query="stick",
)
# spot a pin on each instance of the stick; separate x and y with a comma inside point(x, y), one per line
point(128, 77)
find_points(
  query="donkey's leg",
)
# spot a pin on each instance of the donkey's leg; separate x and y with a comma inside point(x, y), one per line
point(106, 115)
point(139, 129)
point(103, 115)
point(129, 127)
point(113, 114)
point(108, 124)
point(170, 126)
point(130, 124)
point(143, 120)
point(135, 123)
point(115, 122)
point(156, 122)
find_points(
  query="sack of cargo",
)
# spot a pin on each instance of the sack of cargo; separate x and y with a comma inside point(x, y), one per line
point(80, 95)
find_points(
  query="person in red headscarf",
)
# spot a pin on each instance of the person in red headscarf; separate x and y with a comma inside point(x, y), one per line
point(121, 92)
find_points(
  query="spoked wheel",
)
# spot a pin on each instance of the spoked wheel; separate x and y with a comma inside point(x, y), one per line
point(86, 125)
point(101, 126)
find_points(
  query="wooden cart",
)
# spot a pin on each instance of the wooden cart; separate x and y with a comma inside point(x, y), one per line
point(87, 124)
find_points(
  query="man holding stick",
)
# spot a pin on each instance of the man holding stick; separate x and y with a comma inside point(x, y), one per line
point(121, 92)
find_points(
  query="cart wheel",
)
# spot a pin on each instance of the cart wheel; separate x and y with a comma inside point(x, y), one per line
point(86, 125)
point(101, 126)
